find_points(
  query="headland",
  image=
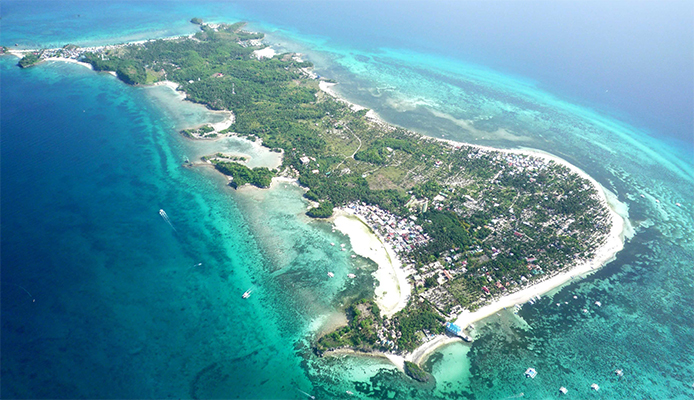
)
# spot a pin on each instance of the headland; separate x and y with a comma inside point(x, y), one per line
point(458, 231)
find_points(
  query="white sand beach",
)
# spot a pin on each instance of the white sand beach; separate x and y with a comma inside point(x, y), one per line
point(21, 53)
point(70, 60)
point(267, 52)
point(371, 114)
point(218, 126)
point(393, 290)
point(621, 229)
point(420, 354)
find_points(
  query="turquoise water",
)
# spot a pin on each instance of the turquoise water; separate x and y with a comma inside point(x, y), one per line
point(123, 310)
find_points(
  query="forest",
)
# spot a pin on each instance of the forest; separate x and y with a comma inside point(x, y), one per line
point(486, 213)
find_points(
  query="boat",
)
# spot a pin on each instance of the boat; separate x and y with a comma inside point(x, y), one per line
point(595, 387)
point(330, 274)
point(563, 390)
point(348, 392)
point(619, 373)
point(599, 304)
point(332, 244)
point(247, 293)
point(354, 256)
point(352, 276)
point(530, 373)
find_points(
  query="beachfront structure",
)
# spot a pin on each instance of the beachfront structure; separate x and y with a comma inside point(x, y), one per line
point(457, 331)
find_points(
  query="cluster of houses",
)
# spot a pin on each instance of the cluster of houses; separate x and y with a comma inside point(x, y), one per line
point(403, 234)
point(519, 163)
point(387, 335)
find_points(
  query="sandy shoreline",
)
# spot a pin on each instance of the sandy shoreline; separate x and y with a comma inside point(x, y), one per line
point(327, 88)
point(267, 52)
point(393, 290)
point(621, 229)
point(217, 126)
point(21, 53)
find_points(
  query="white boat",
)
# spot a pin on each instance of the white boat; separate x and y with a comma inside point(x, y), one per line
point(530, 373)
point(330, 274)
point(348, 392)
point(599, 304)
point(595, 387)
point(247, 293)
point(351, 276)
point(563, 390)
point(619, 372)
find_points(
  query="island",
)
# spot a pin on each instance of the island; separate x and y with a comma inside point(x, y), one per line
point(467, 229)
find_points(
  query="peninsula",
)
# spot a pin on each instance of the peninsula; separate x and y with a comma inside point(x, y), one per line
point(465, 229)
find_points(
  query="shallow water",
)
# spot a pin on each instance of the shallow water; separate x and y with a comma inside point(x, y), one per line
point(87, 162)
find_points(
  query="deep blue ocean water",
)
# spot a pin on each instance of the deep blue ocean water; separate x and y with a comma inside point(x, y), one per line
point(123, 310)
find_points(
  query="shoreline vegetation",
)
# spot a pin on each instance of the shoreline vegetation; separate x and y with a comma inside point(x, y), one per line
point(458, 231)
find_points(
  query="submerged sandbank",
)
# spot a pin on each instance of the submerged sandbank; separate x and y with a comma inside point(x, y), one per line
point(327, 87)
point(614, 242)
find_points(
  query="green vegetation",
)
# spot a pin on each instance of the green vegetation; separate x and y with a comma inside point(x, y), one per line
point(361, 332)
point(203, 131)
point(260, 177)
point(196, 21)
point(324, 210)
point(494, 221)
point(29, 60)
point(415, 372)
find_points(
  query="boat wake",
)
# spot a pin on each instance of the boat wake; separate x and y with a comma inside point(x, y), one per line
point(166, 218)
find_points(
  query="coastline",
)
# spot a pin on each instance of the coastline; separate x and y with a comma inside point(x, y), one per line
point(619, 231)
point(371, 114)
point(393, 290)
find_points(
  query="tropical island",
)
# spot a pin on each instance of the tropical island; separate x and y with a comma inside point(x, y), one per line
point(464, 225)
